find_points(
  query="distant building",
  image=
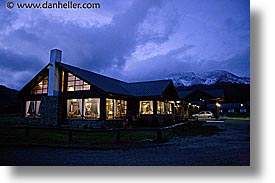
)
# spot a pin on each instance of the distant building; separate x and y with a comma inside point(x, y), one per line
point(62, 94)
point(232, 108)
point(195, 100)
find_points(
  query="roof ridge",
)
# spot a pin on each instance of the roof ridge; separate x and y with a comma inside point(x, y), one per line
point(92, 72)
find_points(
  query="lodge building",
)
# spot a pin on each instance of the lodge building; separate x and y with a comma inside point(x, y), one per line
point(62, 94)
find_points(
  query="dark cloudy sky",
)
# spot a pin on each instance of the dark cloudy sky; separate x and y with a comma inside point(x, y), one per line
point(131, 40)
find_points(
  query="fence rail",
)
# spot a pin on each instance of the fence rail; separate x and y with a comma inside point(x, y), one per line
point(71, 130)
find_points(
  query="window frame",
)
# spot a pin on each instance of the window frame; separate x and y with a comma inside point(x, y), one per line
point(35, 113)
point(81, 111)
point(151, 107)
point(42, 86)
point(116, 109)
point(74, 83)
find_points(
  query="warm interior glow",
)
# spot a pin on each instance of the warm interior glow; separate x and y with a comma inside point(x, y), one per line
point(146, 107)
point(41, 87)
point(116, 109)
point(76, 84)
point(84, 108)
point(165, 107)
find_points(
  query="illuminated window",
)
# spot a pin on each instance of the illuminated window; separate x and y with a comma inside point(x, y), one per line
point(160, 107)
point(242, 110)
point(231, 110)
point(74, 108)
point(92, 108)
point(62, 81)
point(89, 110)
point(168, 107)
point(146, 107)
point(41, 88)
point(116, 109)
point(32, 108)
point(76, 84)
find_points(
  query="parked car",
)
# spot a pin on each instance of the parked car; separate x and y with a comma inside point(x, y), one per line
point(203, 114)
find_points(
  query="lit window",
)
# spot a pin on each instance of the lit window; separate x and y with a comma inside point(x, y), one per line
point(116, 109)
point(89, 110)
point(231, 110)
point(165, 107)
point(74, 108)
point(41, 88)
point(242, 110)
point(76, 84)
point(32, 108)
point(92, 108)
point(146, 107)
point(62, 81)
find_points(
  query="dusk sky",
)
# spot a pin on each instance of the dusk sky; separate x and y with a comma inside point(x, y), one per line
point(133, 40)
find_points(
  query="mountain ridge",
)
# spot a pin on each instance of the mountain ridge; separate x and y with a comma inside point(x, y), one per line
point(206, 78)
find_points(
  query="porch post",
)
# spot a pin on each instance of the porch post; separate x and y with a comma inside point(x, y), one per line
point(103, 108)
point(155, 106)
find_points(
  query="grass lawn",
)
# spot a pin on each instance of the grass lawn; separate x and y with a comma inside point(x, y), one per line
point(60, 137)
point(9, 119)
point(55, 136)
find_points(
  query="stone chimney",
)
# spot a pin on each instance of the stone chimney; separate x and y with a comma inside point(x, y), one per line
point(54, 75)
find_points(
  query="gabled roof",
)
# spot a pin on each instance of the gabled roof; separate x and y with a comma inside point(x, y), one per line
point(103, 82)
point(110, 85)
point(184, 93)
point(38, 77)
point(146, 89)
point(215, 93)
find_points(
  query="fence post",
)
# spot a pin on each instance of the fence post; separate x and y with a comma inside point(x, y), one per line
point(118, 136)
point(27, 132)
point(159, 134)
point(70, 135)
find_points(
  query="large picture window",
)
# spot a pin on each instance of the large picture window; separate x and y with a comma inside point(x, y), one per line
point(32, 108)
point(76, 84)
point(74, 108)
point(84, 108)
point(92, 108)
point(116, 109)
point(165, 107)
point(146, 107)
point(41, 88)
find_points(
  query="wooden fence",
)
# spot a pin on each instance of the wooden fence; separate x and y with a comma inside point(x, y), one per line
point(117, 130)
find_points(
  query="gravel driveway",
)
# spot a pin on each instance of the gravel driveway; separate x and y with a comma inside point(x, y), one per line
point(230, 147)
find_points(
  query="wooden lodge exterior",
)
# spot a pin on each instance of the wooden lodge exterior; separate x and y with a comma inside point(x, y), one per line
point(62, 94)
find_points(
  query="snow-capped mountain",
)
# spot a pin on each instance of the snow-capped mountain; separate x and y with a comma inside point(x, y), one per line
point(206, 78)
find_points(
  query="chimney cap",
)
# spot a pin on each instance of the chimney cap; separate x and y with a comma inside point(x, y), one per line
point(55, 56)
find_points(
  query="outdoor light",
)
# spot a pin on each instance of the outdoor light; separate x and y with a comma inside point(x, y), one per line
point(241, 105)
point(189, 103)
point(218, 105)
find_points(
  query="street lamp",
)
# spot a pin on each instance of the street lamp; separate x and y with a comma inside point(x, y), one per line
point(218, 110)
point(218, 105)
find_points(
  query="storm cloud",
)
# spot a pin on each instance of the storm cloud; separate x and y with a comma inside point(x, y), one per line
point(123, 39)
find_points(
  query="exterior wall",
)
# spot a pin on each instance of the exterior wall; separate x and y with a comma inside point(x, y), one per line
point(85, 123)
point(49, 110)
point(32, 121)
point(95, 123)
